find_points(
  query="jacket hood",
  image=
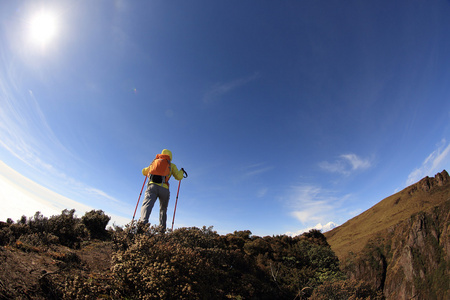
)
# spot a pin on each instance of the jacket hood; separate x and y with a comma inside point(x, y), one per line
point(167, 152)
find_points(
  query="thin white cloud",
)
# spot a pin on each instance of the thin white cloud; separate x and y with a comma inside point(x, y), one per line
point(309, 214)
point(247, 173)
point(346, 164)
point(99, 193)
point(309, 203)
point(256, 169)
point(335, 167)
point(27, 135)
point(262, 192)
point(22, 196)
point(437, 161)
point(25, 196)
point(24, 129)
point(356, 162)
point(323, 228)
point(221, 88)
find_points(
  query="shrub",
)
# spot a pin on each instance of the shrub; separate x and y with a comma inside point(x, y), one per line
point(95, 222)
point(37, 223)
point(10, 233)
point(68, 228)
point(345, 290)
point(157, 267)
point(39, 239)
point(65, 229)
point(94, 286)
point(199, 263)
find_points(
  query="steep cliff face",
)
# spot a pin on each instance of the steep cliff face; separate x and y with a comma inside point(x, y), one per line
point(410, 259)
point(419, 266)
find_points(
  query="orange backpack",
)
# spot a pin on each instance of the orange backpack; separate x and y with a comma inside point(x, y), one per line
point(160, 169)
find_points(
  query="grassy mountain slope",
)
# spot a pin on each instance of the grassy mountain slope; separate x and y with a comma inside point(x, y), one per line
point(353, 235)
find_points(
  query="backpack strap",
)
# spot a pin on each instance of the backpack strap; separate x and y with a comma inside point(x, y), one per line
point(149, 174)
point(166, 178)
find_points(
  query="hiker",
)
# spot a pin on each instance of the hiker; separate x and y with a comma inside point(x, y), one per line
point(159, 172)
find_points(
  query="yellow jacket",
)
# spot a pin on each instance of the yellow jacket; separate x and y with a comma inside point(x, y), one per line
point(177, 174)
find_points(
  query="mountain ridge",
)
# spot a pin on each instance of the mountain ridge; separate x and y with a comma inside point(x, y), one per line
point(401, 245)
point(354, 234)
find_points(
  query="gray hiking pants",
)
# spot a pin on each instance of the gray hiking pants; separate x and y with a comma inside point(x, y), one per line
point(155, 191)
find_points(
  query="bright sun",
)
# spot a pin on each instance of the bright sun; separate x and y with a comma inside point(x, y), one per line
point(43, 27)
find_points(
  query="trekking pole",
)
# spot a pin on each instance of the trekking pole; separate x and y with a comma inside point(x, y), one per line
point(176, 201)
point(137, 204)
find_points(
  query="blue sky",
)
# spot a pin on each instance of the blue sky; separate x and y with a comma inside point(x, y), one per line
point(285, 114)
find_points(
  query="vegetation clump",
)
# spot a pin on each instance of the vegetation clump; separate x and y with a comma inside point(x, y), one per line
point(198, 263)
point(95, 222)
point(65, 229)
point(143, 262)
point(346, 290)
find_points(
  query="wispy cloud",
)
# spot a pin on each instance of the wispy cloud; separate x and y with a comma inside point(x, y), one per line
point(256, 169)
point(24, 129)
point(313, 204)
point(438, 160)
point(346, 164)
point(27, 135)
point(262, 192)
point(248, 173)
point(30, 197)
point(99, 193)
point(221, 88)
point(324, 228)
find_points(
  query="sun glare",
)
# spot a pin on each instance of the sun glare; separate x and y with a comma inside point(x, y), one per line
point(43, 27)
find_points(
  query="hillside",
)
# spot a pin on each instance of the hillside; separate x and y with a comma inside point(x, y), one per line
point(353, 235)
point(401, 246)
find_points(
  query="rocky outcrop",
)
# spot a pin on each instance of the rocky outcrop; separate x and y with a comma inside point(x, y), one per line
point(411, 259)
point(420, 258)
point(371, 268)
point(428, 183)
